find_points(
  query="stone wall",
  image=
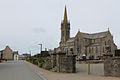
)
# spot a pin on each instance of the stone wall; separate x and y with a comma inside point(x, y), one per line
point(47, 63)
point(53, 60)
point(112, 66)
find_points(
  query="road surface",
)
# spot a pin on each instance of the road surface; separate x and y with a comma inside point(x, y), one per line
point(17, 70)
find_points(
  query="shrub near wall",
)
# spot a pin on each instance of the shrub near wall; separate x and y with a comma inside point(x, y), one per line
point(47, 63)
point(42, 62)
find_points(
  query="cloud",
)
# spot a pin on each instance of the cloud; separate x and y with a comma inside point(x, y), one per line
point(39, 30)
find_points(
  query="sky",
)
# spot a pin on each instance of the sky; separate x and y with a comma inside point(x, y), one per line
point(26, 23)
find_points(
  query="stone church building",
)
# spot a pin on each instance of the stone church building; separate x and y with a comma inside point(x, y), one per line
point(84, 44)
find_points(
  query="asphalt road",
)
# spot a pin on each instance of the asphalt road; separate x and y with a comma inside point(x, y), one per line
point(17, 70)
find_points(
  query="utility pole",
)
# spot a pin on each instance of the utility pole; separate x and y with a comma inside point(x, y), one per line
point(30, 52)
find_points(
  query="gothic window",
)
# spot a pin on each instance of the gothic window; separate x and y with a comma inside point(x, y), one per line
point(89, 41)
point(92, 50)
point(109, 42)
point(95, 41)
point(77, 39)
point(101, 40)
point(85, 40)
point(89, 50)
point(96, 49)
point(105, 43)
point(98, 40)
point(92, 40)
point(78, 50)
point(103, 50)
point(62, 33)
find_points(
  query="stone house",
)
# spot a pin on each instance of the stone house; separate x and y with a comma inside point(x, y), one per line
point(7, 54)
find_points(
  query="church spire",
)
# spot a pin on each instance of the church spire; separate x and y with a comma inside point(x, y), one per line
point(65, 29)
point(65, 16)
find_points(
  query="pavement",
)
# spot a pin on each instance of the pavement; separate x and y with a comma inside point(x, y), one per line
point(18, 70)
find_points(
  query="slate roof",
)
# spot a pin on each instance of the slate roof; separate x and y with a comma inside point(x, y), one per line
point(90, 36)
point(15, 52)
point(95, 35)
point(71, 40)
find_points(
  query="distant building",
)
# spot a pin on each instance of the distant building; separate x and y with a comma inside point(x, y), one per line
point(7, 54)
point(84, 43)
point(24, 56)
point(21, 57)
point(44, 53)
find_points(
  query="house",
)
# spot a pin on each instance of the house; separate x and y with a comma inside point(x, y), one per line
point(8, 54)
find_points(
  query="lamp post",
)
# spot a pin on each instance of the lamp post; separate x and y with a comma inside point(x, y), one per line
point(40, 47)
point(30, 52)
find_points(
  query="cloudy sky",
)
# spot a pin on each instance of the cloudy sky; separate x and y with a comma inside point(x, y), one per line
point(26, 23)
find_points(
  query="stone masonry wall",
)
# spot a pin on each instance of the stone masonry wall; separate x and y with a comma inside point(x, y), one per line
point(112, 66)
point(66, 63)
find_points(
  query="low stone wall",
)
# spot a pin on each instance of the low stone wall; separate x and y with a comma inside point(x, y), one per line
point(59, 62)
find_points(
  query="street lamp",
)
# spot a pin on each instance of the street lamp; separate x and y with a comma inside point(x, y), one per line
point(40, 47)
point(30, 52)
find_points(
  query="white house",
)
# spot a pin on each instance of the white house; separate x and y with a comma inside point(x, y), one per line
point(15, 55)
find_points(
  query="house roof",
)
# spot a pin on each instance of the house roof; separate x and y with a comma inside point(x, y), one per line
point(15, 52)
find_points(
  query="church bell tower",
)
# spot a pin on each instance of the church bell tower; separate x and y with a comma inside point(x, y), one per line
point(65, 29)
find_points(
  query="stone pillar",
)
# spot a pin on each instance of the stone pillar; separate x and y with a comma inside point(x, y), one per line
point(112, 66)
point(66, 63)
point(58, 62)
point(70, 64)
point(107, 65)
point(116, 67)
point(53, 60)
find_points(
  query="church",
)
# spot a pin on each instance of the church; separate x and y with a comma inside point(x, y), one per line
point(84, 44)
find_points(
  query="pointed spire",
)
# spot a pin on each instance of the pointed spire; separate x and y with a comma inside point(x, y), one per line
point(65, 15)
